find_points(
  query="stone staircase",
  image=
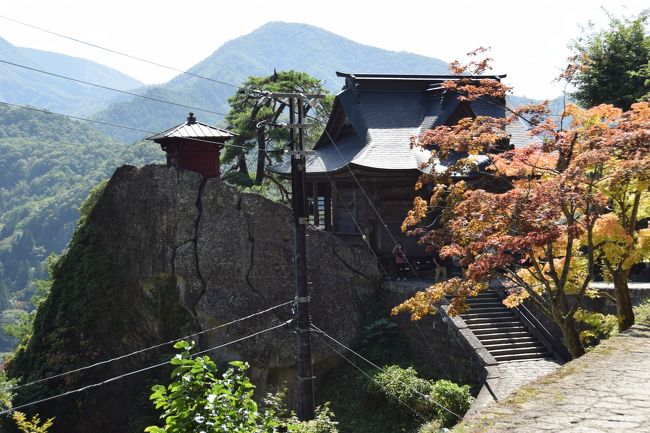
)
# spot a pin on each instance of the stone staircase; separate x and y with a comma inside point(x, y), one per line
point(500, 331)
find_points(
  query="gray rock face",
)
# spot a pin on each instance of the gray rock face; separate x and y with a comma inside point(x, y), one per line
point(231, 254)
point(226, 255)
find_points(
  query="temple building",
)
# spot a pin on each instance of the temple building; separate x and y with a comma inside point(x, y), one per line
point(194, 146)
point(363, 169)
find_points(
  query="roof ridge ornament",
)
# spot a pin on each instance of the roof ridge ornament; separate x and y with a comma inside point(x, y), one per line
point(191, 120)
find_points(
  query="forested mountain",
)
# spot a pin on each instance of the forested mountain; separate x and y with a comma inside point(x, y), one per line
point(319, 53)
point(48, 164)
point(26, 87)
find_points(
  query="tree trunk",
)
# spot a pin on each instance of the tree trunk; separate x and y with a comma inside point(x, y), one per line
point(571, 338)
point(241, 163)
point(624, 312)
point(261, 154)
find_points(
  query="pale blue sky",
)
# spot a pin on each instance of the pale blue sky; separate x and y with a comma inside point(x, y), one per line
point(529, 39)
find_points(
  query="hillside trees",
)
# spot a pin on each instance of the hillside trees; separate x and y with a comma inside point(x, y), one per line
point(614, 64)
point(540, 237)
point(48, 165)
point(254, 117)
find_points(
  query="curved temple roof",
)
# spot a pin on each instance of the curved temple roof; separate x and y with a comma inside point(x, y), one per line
point(372, 125)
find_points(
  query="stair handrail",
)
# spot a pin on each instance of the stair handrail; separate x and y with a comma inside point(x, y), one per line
point(534, 325)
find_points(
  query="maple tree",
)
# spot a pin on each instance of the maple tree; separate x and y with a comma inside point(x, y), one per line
point(541, 235)
point(621, 158)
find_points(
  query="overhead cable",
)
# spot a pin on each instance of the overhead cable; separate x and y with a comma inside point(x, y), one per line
point(156, 346)
point(418, 414)
point(424, 396)
point(130, 56)
point(69, 116)
point(131, 373)
point(112, 89)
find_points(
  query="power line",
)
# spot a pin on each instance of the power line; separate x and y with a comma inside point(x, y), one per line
point(372, 379)
point(417, 325)
point(131, 373)
point(41, 71)
point(69, 116)
point(405, 256)
point(85, 119)
point(130, 56)
point(426, 397)
point(137, 352)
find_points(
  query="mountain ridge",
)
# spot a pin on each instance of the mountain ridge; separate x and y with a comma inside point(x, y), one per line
point(27, 87)
point(259, 52)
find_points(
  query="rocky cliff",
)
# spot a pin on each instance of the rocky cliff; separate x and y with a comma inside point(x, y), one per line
point(165, 253)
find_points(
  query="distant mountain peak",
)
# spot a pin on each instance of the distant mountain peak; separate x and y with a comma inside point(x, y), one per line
point(320, 53)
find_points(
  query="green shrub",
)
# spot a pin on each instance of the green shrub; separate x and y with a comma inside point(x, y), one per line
point(323, 423)
point(431, 427)
point(402, 384)
point(456, 398)
point(431, 399)
point(600, 326)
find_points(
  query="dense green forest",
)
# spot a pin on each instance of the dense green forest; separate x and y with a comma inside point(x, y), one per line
point(48, 164)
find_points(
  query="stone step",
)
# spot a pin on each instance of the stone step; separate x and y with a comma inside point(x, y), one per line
point(512, 335)
point(499, 338)
point(532, 345)
point(491, 319)
point(485, 304)
point(504, 331)
point(472, 315)
point(521, 356)
point(486, 294)
point(478, 310)
point(515, 351)
point(494, 324)
point(488, 297)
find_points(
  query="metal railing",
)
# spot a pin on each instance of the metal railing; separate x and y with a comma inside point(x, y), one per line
point(535, 326)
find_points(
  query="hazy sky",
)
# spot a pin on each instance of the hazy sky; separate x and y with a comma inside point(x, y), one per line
point(528, 38)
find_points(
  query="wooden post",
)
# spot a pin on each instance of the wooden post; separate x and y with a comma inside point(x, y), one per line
point(314, 196)
point(327, 193)
point(335, 207)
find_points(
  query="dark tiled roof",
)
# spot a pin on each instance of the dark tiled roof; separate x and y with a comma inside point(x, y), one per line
point(384, 120)
point(328, 158)
point(520, 134)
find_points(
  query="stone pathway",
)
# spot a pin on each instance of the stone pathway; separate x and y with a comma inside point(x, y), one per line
point(514, 374)
point(607, 390)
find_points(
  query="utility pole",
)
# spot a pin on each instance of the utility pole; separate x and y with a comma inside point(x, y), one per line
point(296, 102)
point(303, 321)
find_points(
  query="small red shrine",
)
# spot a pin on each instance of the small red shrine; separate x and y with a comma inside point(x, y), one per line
point(193, 146)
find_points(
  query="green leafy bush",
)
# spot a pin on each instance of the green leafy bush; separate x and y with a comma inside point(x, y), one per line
point(323, 423)
point(200, 399)
point(451, 398)
point(599, 326)
point(440, 400)
point(431, 427)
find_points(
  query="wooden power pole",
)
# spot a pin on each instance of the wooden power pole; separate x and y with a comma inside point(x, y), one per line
point(303, 321)
point(297, 106)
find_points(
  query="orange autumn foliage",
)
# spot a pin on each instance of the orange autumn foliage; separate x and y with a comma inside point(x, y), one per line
point(542, 235)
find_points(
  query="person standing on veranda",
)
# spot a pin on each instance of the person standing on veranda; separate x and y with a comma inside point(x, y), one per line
point(400, 261)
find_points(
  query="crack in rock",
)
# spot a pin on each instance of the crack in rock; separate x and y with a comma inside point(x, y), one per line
point(199, 207)
point(347, 265)
point(251, 263)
